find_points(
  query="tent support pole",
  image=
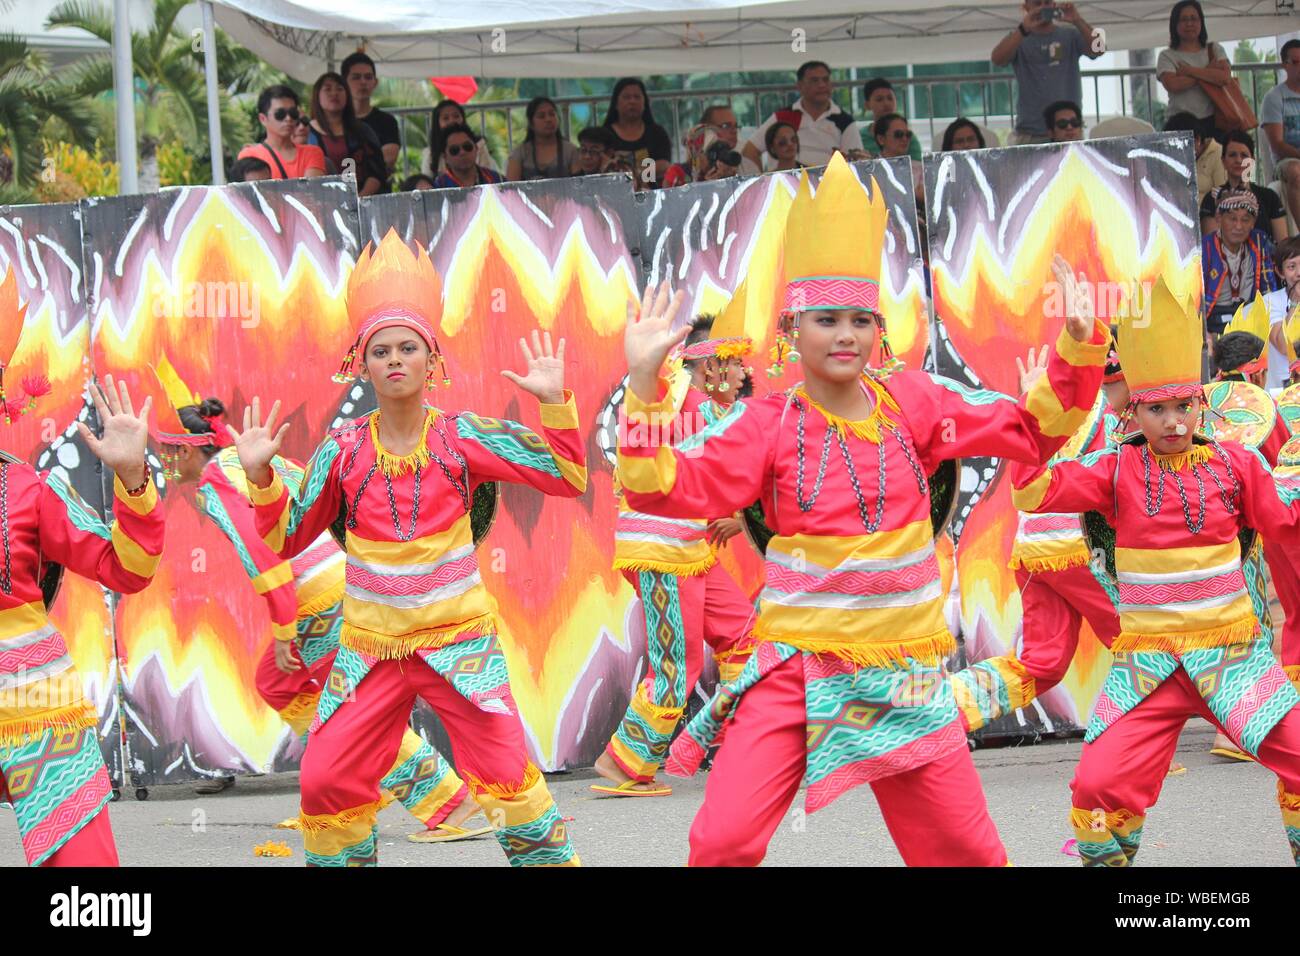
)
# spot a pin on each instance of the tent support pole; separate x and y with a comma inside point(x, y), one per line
point(214, 98)
point(124, 94)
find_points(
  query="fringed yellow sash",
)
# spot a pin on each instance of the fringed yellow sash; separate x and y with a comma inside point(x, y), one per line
point(1237, 632)
point(928, 649)
point(1196, 455)
point(393, 646)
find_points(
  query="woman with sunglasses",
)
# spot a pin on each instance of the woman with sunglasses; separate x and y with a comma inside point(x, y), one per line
point(894, 138)
point(277, 111)
point(782, 142)
point(460, 153)
point(446, 114)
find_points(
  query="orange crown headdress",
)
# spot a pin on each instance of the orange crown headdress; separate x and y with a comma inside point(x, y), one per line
point(12, 318)
point(1252, 318)
point(391, 286)
point(167, 427)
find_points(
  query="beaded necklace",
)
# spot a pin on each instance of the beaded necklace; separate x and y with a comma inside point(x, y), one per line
point(1194, 525)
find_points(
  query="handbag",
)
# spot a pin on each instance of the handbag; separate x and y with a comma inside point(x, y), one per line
point(1231, 109)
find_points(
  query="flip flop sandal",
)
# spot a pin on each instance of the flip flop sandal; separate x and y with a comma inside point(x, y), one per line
point(1175, 770)
point(446, 833)
point(293, 823)
point(1232, 754)
point(628, 789)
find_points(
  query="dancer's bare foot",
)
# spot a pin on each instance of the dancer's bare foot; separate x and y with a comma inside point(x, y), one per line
point(611, 771)
point(1223, 747)
point(467, 809)
point(455, 826)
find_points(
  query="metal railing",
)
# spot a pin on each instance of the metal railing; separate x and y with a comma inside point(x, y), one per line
point(930, 102)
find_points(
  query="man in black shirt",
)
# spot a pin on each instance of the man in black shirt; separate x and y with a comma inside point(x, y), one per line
point(359, 71)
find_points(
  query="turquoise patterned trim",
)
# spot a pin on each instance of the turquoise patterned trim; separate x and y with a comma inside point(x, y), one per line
point(81, 517)
point(698, 439)
point(215, 510)
point(313, 482)
point(972, 396)
point(365, 853)
point(513, 442)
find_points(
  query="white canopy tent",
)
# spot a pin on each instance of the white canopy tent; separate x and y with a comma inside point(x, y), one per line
point(510, 38)
point(575, 38)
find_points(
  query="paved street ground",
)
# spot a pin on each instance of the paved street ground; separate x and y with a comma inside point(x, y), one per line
point(1217, 814)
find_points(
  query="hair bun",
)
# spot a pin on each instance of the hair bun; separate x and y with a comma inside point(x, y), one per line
point(211, 407)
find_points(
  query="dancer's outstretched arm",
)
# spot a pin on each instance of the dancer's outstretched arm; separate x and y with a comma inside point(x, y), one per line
point(496, 449)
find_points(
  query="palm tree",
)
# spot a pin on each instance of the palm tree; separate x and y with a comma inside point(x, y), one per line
point(28, 99)
point(168, 81)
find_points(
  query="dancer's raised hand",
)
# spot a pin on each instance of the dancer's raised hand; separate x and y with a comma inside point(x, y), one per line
point(1078, 303)
point(545, 377)
point(124, 435)
point(259, 442)
point(1033, 368)
point(648, 338)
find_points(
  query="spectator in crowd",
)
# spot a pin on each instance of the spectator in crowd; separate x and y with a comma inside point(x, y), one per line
point(1237, 258)
point(709, 157)
point(1279, 117)
point(347, 142)
point(722, 120)
point(782, 142)
point(1210, 173)
point(445, 114)
point(878, 95)
point(545, 153)
point(277, 111)
point(417, 181)
point(302, 132)
point(594, 153)
point(1190, 61)
point(359, 71)
point(641, 141)
point(962, 134)
point(249, 170)
point(823, 127)
point(1045, 57)
point(1239, 168)
point(1282, 302)
point(460, 152)
point(892, 137)
point(1064, 122)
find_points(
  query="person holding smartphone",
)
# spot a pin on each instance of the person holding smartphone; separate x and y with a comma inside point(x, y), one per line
point(1044, 51)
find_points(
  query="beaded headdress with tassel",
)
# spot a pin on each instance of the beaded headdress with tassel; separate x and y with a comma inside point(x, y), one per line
point(12, 318)
point(1252, 318)
point(727, 341)
point(832, 254)
point(166, 427)
point(391, 286)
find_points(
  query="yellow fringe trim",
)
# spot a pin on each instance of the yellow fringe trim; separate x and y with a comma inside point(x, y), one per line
point(392, 646)
point(928, 649)
point(321, 822)
point(1292, 672)
point(323, 602)
point(20, 730)
point(649, 709)
point(503, 791)
point(385, 798)
point(868, 429)
point(300, 706)
point(1123, 821)
point(1075, 558)
point(686, 569)
point(1237, 632)
point(1198, 455)
point(1289, 802)
point(394, 465)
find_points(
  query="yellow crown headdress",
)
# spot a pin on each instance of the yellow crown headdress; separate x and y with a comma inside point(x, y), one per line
point(833, 242)
point(12, 318)
point(1161, 347)
point(1253, 319)
point(727, 341)
point(392, 286)
point(166, 427)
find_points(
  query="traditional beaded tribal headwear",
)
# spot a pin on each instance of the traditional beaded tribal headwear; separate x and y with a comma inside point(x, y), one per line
point(12, 318)
point(166, 427)
point(393, 287)
point(833, 243)
point(1252, 318)
point(727, 341)
point(1230, 199)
